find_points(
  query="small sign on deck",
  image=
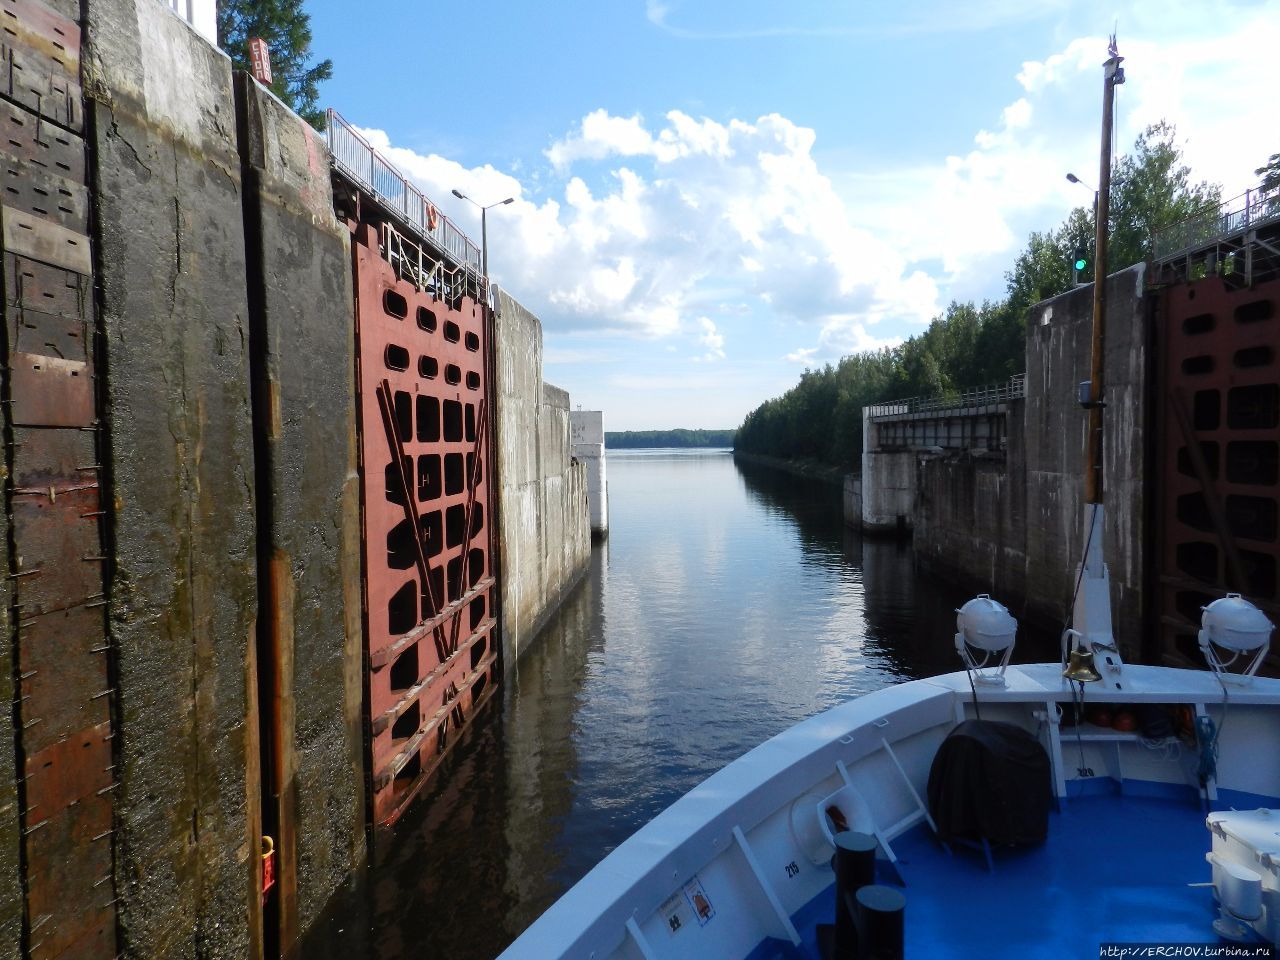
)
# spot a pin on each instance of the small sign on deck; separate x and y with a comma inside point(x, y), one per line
point(260, 60)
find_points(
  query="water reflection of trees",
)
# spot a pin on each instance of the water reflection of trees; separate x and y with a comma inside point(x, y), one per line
point(909, 614)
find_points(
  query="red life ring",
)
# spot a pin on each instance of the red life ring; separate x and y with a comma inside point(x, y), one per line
point(433, 217)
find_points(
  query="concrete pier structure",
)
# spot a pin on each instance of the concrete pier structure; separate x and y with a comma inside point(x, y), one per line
point(586, 431)
point(544, 537)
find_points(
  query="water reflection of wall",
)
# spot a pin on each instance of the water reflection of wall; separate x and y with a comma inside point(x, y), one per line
point(539, 756)
point(908, 615)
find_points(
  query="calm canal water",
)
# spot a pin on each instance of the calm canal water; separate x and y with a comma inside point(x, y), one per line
point(729, 602)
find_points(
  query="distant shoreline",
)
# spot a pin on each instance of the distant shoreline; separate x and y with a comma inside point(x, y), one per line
point(679, 438)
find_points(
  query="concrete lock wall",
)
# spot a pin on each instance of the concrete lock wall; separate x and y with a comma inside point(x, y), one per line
point(1015, 528)
point(971, 517)
point(889, 485)
point(586, 431)
point(544, 539)
point(302, 338)
point(183, 596)
point(1059, 336)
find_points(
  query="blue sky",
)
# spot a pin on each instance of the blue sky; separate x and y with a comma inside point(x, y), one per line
point(712, 195)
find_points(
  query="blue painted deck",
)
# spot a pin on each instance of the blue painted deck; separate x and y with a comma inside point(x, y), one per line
point(1114, 869)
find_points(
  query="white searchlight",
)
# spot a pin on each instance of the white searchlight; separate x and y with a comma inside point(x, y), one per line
point(986, 626)
point(1236, 627)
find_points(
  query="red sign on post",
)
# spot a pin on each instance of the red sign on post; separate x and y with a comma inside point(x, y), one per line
point(260, 60)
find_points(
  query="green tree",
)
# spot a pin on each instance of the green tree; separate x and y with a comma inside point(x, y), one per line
point(1270, 173)
point(287, 30)
point(1152, 189)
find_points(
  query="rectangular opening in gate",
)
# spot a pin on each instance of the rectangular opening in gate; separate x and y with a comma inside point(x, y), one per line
point(454, 524)
point(426, 320)
point(1253, 461)
point(452, 421)
point(1254, 312)
point(1198, 559)
point(478, 650)
point(1206, 413)
point(475, 613)
point(407, 723)
point(455, 579)
point(430, 609)
point(401, 549)
point(432, 533)
point(474, 476)
point(1200, 323)
point(428, 419)
point(451, 331)
point(1260, 356)
point(1252, 518)
point(475, 565)
point(471, 423)
point(428, 367)
point(402, 610)
point(473, 342)
point(395, 482)
point(1209, 450)
point(1255, 407)
point(404, 416)
point(395, 305)
point(1260, 569)
point(477, 519)
point(428, 477)
point(454, 482)
point(404, 671)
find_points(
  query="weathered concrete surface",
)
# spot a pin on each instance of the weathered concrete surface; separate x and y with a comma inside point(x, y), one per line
point(304, 395)
point(970, 521)
point(852, 500)
point(544, 537)
point(172, 285)
point(10, 825)
point(888, 485)
point(1016, 528)
point(586, 431)
point(1058, 350)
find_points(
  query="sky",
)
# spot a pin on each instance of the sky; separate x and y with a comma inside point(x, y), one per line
point(712, 196)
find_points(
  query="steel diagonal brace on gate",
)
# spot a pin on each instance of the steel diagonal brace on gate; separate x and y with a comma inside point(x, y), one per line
point(468, 534)
point(411, 515)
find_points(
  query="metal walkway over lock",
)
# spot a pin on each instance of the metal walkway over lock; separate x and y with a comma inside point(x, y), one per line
point(975, 420)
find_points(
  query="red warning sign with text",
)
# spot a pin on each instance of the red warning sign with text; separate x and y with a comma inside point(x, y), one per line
point(260, 60)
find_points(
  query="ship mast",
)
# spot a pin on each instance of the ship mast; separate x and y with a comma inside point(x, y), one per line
point(1094, 654)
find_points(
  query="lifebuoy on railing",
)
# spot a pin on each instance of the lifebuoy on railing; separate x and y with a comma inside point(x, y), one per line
point(433, 216)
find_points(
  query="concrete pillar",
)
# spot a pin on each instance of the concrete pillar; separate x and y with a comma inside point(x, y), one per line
point(302, 344)
point(183, 598)
point(888, 483)
point(586, 432)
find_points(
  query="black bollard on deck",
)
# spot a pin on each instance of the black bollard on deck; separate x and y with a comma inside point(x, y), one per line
point(880, 923)
point(855, 867)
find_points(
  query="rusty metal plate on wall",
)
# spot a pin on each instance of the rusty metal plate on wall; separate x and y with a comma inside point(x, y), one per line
point(40, 84)
point(41, 145)
point(48, 309)
point(61, 663)
point(58, 555)
point(45, 31)
point(46, 195)
point(43, 240)
point(51, 458)
point(50, 391)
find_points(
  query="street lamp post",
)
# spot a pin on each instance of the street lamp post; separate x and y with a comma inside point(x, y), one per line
point(484, 227)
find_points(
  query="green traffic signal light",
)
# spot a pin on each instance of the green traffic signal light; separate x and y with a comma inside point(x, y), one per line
point(1081, 259)
point(1081, 263)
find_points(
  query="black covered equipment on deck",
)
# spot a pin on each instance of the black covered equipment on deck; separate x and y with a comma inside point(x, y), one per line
point(990, 781)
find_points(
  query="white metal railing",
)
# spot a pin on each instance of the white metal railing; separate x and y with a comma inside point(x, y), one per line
point(356, 159)
point(1012, 389)
point(1249, 210)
